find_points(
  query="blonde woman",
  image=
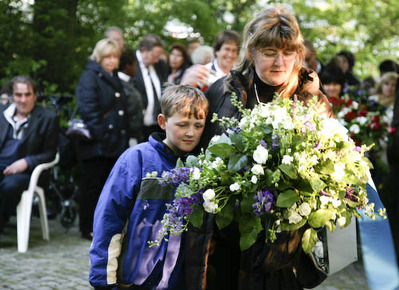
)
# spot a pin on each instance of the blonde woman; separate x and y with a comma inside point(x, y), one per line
point(101, 103)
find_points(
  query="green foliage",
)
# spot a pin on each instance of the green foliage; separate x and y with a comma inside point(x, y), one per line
point(52, 39)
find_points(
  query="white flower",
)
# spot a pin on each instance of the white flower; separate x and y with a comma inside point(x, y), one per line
point(287, 159)
point(304, 209)
point(215, 138)
point(261, 154)
point(210, 206)
point(324, 199)
point(355, 105)
point(265, 111)
point(341, 221)
point(339, 172)
point(361, 120)
point(288, 125)
point(196, 173)
point(217, 163)
point(314, 159)
point(254, 179)
point(257, 169)
point(354, 128)
point(294, 218)
point(336, 202)
point(235, 186)
point(244, 122)
point(208, 194)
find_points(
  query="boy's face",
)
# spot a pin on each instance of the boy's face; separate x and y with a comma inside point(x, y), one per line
point(183, 133)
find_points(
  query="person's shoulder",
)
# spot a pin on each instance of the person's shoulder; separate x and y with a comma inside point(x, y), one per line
point(3, 108)
point(45, 112)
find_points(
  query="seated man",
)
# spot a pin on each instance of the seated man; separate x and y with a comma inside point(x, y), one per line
point(28, 137)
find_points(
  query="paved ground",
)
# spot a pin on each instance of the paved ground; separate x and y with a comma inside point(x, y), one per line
point(63, 263)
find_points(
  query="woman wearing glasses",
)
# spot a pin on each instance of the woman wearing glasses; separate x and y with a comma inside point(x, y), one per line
point(273, 51)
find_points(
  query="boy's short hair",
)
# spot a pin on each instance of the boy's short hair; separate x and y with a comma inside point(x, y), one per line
point(185, 99)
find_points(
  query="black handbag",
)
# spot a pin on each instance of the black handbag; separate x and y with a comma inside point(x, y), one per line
point(77, 129)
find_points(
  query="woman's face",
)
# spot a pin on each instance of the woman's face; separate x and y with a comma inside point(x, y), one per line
point(274, 66)
point(388, 88)
point(176, 59)
point(110, 62)
point(333, 89)
point(227, 55)
point(343, 63)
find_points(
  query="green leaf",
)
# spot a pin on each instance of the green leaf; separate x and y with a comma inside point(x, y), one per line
point(179, 163)
point(250, 226)
point(348, 215)
point(268, 177)
point(225, 178)
point(326, 167)
point(316, 183)
point(291, 227)
point(309, 240)
point(192, 161)
point(289, 170)
point(248, 239)
point(226, 215)
point(222, 149)
point(320, 218)
point(287, 198)
point(197, 216)
point(246, 204)
point(237, 162)
point(238, 141)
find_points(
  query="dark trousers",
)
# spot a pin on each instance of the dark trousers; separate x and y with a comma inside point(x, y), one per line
point(11, 188)
point(94, 173)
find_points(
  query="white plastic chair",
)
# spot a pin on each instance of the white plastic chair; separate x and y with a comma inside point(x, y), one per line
point(24, 208)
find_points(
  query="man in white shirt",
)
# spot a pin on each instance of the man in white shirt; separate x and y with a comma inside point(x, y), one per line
point(152, 73)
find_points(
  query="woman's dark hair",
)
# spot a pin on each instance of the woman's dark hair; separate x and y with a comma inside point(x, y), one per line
point(182, 48)
point(349, 56)
point(128, 57)
point(387, 66)
point(332, 74)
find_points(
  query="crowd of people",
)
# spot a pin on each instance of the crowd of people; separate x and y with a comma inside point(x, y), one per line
point(157, 107)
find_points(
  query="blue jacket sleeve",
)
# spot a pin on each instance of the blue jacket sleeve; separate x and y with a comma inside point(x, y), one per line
point(111, 214)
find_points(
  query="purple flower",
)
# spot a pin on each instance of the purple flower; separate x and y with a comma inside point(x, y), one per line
point(275, 141)
point(322, 192)
point(350, 194)
point(263, 143)
point(310, 126)
point(175, 176)
point(236, 129)
point(265, 202)
point(184, 205)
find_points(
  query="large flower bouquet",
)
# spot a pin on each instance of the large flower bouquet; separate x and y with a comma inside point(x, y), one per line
point(281, 167)
point(367, 120)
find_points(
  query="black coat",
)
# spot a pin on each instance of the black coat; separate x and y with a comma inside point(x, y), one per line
point(101, 102)
point(213, 256)
point(40, 139)
point(162, 72)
